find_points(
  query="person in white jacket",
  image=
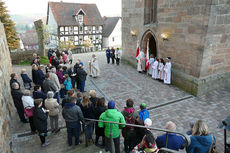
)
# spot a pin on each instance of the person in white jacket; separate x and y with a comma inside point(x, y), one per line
point(161, 69)
point(94, 67)
point(155, 69)
point(28, 103)
point(117, 56)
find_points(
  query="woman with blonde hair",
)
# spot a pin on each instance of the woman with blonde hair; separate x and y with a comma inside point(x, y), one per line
point(93, 97)
point(201, 140)
point(35, 74)
point(88, 112)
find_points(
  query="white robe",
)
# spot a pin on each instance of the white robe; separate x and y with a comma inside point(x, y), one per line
point(155, 70)
point(161, 71)
point(151, 61)
point(94, 67)
point(141, 61)
point(117, 54)
point(167, 71)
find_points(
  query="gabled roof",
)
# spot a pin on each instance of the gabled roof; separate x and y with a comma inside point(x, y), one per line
point(64, 13)
point(109, 25)
point(29, 38)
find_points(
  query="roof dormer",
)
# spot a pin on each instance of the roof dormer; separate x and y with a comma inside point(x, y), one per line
point(80, 16)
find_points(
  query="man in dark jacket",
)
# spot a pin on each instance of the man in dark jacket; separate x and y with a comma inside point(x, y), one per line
point(76, 67)
point(112, 54)
point(81, 77)
point(17, 98)
point(108, 55)
point(38, 93)
point(72, 74)
point(41, 76)
point(13, 79)
point(72, 115)
point(40, 121)
point(130, 115)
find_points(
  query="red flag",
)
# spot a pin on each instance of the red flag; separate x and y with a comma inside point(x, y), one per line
point(138, 49)
point(147, 57)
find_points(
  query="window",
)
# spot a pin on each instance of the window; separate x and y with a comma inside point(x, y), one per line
point(81, 30)
point(80, 40)
point(80, 19)
point(90, 29)
point(66, 30)
point(61, 29)
point(62, 39)
point(150, 11)
point(86, 29)
point(113, 39)
point(75, 30)
point(100, 29)
point(70, 30)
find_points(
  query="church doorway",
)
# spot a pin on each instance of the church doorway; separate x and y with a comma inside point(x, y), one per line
point(149, 36)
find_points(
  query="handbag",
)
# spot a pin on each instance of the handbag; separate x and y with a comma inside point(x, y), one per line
point(29, 111)
point(213, 146)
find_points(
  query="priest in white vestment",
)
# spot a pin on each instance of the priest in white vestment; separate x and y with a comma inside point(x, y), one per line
point(94, 67)
point(151, 61)
point(167, 71)
point(155, 69)
point(141, 61)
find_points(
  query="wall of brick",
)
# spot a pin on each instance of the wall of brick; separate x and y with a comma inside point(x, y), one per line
point(5, 96)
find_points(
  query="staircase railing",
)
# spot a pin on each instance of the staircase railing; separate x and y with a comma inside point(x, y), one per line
point(163, 150)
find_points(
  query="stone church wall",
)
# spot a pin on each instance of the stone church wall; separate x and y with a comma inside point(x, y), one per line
point(5, 96)
point(187, 22)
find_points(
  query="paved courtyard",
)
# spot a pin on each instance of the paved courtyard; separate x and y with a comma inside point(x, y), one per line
point(122, 82)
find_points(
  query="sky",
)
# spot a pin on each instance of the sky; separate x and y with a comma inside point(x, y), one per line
point(106, 7)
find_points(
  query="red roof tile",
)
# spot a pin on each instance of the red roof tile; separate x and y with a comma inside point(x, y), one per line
point(64, 13)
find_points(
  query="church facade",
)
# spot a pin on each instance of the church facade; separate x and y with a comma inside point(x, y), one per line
point(194, 33)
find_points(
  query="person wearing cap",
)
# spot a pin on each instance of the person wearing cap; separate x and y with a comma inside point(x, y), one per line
point(144, 113)
point(175, 142)
point(128, 132)
point(167, 71)
point(81, 77)
point(112, 115)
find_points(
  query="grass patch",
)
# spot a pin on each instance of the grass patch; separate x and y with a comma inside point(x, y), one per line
point(44, 60)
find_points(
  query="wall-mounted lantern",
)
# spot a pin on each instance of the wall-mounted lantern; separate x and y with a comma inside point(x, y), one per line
point(165, 36)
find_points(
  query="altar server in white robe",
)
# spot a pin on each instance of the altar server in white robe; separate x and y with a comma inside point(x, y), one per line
point(141, 61)
point(167, 71)
point(94, 67)
point(155, 69)
point(151, 61)
point(161, 69)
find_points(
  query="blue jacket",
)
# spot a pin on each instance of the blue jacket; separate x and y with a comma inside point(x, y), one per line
point(41, 77)
point(175, 142)
point(108, 53)
point(68, 84)
point(25, 78)
point(144, 114)
point(199, 144)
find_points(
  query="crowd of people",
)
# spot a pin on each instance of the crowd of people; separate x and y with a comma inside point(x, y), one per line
point(59, 87)
point(158, 68)
point(113, 55)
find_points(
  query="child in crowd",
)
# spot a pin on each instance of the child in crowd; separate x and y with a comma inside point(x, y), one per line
point(144, 113)
point(26, 80)
point(40, 121)
point(67, 83)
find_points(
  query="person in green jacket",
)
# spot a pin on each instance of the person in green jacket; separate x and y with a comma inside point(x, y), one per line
point(112, 115)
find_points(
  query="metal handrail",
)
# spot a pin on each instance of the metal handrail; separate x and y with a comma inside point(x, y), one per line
point(186, 137)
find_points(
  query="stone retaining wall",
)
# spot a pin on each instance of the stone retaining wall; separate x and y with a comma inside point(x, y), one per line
point(5, 96)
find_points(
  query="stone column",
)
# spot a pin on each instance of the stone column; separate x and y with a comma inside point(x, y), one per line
point(41, 40)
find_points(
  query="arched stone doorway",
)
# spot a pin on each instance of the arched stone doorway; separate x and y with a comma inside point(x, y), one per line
point(148, 35)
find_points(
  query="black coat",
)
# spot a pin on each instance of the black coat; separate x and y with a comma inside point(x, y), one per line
point(88, 112)
point(35, 76)
point(93, 101)
point(98, 111)
point(81, 75)
point(70, 73)
point(17, 98)
point(40, 120)
point(55, 62)
point(41, 77)
point(12, 81)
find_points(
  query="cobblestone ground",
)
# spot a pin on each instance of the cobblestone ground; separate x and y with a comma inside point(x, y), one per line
point(122, 82)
